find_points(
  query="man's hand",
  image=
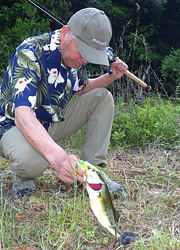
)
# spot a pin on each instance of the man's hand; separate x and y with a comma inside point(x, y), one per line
point(118, 68)
point(66, 169)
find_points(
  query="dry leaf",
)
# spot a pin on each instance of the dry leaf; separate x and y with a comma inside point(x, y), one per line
point(42, 190)
point(134, 192)
point(53, 230)
point(38, 224)
point(172, 203)
point(29, 248)
point(40, 207)
point(26, 248)
point(35, 214)
point(21, 216)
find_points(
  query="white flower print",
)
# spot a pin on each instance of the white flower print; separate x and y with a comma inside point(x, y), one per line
point(53, 73)
point(54, 77)
point(32, 100)
point(76, 85)
point(59, 79)
point(52, 46)
point(55, 37)
point(54, 41)
point(46, 47)
point(21, 84)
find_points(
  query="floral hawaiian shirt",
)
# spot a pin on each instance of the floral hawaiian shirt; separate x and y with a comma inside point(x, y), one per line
point(36, 77)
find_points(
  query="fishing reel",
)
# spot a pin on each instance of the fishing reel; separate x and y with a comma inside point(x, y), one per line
point(111, 57)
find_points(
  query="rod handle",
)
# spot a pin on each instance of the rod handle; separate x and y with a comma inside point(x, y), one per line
point(136, 79)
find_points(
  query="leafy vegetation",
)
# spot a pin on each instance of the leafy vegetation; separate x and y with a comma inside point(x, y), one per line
point(171, 71)
point(154, 122)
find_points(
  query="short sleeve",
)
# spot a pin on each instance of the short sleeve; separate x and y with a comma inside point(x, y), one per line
point(83, 77)
point(25, 77)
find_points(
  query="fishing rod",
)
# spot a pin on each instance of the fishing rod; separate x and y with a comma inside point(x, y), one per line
point(109, 50)
point(45, 12)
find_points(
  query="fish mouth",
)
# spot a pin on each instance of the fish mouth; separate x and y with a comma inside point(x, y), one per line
point(95, 186)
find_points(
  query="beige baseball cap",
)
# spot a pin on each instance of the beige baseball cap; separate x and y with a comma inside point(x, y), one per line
point(93, 32)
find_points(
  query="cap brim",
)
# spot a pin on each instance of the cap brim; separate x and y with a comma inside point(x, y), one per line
point(91, 54)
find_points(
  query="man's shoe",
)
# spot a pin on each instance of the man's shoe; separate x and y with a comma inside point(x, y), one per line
point(22, 188)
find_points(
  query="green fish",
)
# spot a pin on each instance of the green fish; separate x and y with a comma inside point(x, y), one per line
point(101, 204)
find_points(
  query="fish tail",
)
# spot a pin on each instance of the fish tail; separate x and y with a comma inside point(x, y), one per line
point(127, 237)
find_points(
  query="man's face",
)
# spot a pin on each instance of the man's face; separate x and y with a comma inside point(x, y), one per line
point(69, 50)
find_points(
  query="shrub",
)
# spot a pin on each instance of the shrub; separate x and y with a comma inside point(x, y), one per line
point(138, 126)
point(171, 71)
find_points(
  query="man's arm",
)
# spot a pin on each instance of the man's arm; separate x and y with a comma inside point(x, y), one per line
point(118, 67)
point(38, 138)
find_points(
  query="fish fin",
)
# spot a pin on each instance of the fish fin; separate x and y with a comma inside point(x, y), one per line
point(127, 238)
point(116, 214)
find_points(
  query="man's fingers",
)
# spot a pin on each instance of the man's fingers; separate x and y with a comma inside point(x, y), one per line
point(68, 180)
point(70, 169)
point(120, 65)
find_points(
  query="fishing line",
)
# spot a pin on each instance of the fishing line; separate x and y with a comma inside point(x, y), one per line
point(47, 12)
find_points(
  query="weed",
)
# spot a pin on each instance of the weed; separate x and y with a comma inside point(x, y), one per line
point(59, 216)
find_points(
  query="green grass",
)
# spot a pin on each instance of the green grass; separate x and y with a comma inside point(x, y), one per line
point(58, 216)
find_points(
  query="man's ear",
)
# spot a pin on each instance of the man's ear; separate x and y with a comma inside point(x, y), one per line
point(64, 31)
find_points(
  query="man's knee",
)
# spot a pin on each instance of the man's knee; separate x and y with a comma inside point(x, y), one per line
point(106, 96)
point(25, 161)
point(29, 165)
point(109, 98)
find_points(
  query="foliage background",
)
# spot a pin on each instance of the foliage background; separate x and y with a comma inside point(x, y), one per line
point(146, 34)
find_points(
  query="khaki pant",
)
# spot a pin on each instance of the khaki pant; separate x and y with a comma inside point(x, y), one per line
point(94, 108)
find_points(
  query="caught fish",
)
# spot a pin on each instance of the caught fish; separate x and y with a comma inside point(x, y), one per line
point(101, 204)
